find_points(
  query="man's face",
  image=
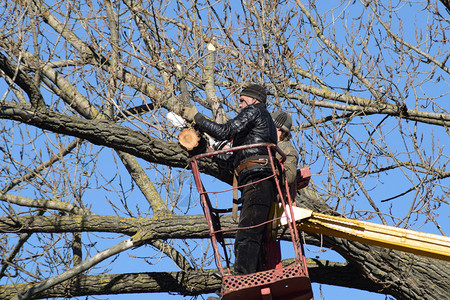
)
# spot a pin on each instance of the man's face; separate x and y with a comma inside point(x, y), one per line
point(245, 101)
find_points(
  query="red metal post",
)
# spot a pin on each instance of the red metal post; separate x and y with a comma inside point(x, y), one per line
point(207, 212)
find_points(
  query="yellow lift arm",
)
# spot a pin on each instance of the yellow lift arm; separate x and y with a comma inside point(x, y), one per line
point(426, 244)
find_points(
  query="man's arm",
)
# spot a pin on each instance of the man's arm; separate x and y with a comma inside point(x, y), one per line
point(290, 165)
point(228, 130)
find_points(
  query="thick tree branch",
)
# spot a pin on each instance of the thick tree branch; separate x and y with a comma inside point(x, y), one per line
point(190, 283)
point(105, 133)
point(23, 80)
point(367, 106)
point(42, 203)
point(163, 227)
point(393, 279)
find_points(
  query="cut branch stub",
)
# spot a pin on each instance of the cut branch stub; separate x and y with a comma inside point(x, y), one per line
point(189, 138)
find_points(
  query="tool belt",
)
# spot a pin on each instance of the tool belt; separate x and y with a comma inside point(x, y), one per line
point(262, 161)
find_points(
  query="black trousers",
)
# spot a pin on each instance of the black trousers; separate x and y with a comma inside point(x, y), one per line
point(257, 200)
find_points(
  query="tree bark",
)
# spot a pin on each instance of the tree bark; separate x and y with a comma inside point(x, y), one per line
point(190, 283)
point(402, 275)
point(105, 133)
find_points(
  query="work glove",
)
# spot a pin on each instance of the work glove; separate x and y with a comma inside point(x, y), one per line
point(189, 113)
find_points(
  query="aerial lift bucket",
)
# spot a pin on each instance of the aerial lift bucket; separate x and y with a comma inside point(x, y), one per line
point(289, 282)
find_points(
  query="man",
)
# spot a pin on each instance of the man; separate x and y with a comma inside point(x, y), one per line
point(251, 126)
point(283, 121)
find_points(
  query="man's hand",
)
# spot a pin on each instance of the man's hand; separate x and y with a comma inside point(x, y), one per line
point(189, 113)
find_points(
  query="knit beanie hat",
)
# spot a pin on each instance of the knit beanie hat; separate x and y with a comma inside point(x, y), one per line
point(282, 120)
point(255, 91)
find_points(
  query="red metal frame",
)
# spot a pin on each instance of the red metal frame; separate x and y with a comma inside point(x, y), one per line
point(291, 282)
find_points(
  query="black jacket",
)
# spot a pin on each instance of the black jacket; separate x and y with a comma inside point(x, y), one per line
point(252, 125)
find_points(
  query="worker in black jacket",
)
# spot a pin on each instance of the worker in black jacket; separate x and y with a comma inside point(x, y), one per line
point(252, 125)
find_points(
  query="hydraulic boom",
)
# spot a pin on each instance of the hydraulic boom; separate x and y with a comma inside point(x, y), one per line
point(426, 244)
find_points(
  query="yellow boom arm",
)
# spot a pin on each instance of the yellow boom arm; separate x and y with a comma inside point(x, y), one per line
point(426, 244)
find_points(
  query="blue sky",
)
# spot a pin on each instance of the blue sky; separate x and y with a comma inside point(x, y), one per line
point(126, 262)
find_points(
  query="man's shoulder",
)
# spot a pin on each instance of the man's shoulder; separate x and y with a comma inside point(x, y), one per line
point(283, 144)
point(254, 110)
point(256, 106)
point(260, 106)
point(260, 109)
point(286, 147)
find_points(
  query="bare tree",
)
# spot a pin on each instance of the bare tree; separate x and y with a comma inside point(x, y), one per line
point(91, 167)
